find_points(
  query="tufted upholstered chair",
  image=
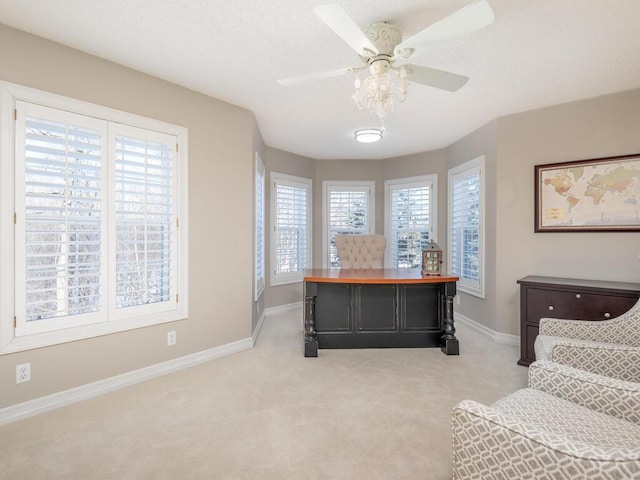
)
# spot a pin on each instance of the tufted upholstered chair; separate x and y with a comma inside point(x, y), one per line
point(568, 424)
point(608, 347)
point(361, 251)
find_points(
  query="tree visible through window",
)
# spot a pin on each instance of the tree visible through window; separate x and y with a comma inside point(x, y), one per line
point(63, 216)
point(144, 213)
point(410, 203)
point(97, 207)
point(348, 210)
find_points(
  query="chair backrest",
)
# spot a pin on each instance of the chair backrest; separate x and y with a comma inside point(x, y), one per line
point(361, 251)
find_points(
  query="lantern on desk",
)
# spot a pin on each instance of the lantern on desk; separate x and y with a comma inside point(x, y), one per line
point(432, 259)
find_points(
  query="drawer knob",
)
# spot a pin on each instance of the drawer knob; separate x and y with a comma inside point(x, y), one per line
point(577, 295)
point(607, 315)
point(550, 307)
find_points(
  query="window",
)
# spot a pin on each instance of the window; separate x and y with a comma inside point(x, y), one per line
point(348, 209)
point(466, 226)
point(410, 216)
point(291, 232)
point(98, 197)
point(259, 228)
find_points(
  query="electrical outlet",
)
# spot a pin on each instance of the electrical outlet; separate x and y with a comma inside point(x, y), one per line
point(171, 338)
point(23, 373)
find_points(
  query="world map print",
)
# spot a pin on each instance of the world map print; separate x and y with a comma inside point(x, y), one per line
point(590, 195)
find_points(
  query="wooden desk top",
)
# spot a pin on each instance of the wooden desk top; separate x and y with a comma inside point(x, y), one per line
point(374, 276)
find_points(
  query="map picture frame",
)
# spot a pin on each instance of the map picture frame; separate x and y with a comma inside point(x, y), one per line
point(594, 195)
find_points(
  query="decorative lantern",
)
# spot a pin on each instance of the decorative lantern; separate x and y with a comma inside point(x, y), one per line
point(432, 259)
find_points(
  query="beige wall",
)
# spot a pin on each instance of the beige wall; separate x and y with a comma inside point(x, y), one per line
point(592, 128)
point(221, 144)
point(290, 164)
point(481, 142)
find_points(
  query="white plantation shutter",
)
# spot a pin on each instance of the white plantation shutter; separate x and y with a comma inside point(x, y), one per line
point(349, 211)
point(259, 228)
point(144, 217)
point(60, 242)
point(97, 245)
point(410, 222)
point(465, 226)
point(292, 227)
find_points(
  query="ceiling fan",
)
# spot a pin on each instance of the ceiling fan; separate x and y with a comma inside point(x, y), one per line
point(384, 52)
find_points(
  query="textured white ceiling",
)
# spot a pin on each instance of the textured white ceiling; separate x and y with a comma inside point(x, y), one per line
point(537, 53)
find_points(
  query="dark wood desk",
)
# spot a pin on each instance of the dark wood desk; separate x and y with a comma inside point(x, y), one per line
point(378, 308)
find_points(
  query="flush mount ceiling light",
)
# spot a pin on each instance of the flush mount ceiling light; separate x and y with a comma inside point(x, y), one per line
point(368, 135)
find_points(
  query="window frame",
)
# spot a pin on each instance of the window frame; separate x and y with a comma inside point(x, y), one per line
point(467, 285)
point(10, 342)
point(259, 226)
point(430, 180)
point(284, 278)
point(329, 186)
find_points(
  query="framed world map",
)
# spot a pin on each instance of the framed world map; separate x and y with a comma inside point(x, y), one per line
point(601, 194)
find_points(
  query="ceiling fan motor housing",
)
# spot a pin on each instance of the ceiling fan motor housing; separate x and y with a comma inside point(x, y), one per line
point(385, 37)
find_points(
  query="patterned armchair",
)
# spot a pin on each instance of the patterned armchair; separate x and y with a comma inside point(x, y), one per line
point(361, 251)
point(610, 396)
point(609, 347)
point(568, 424)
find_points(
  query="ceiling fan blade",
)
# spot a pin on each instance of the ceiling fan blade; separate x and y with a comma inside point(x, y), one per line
point(435, 78)
point(310, 77)
point(340, 22)
point(466, 20)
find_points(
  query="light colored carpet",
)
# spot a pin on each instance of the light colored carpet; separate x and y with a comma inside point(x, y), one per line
point(270, 413)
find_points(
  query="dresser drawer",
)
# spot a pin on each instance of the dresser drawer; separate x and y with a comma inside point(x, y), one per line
point(574, 305)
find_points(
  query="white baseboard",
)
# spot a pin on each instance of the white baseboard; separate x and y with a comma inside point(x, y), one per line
point(497, 337)
point(50, 402)
point(282, 308)
point(256, 332)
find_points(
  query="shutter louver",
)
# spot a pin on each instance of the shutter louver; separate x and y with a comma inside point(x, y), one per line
point(259, 226)
point(62, 219)
point(291, 228)
point(465, 226)
point(410, 224)
point(144, 228)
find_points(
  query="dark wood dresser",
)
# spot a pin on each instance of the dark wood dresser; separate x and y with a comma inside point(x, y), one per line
point(569, 298)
